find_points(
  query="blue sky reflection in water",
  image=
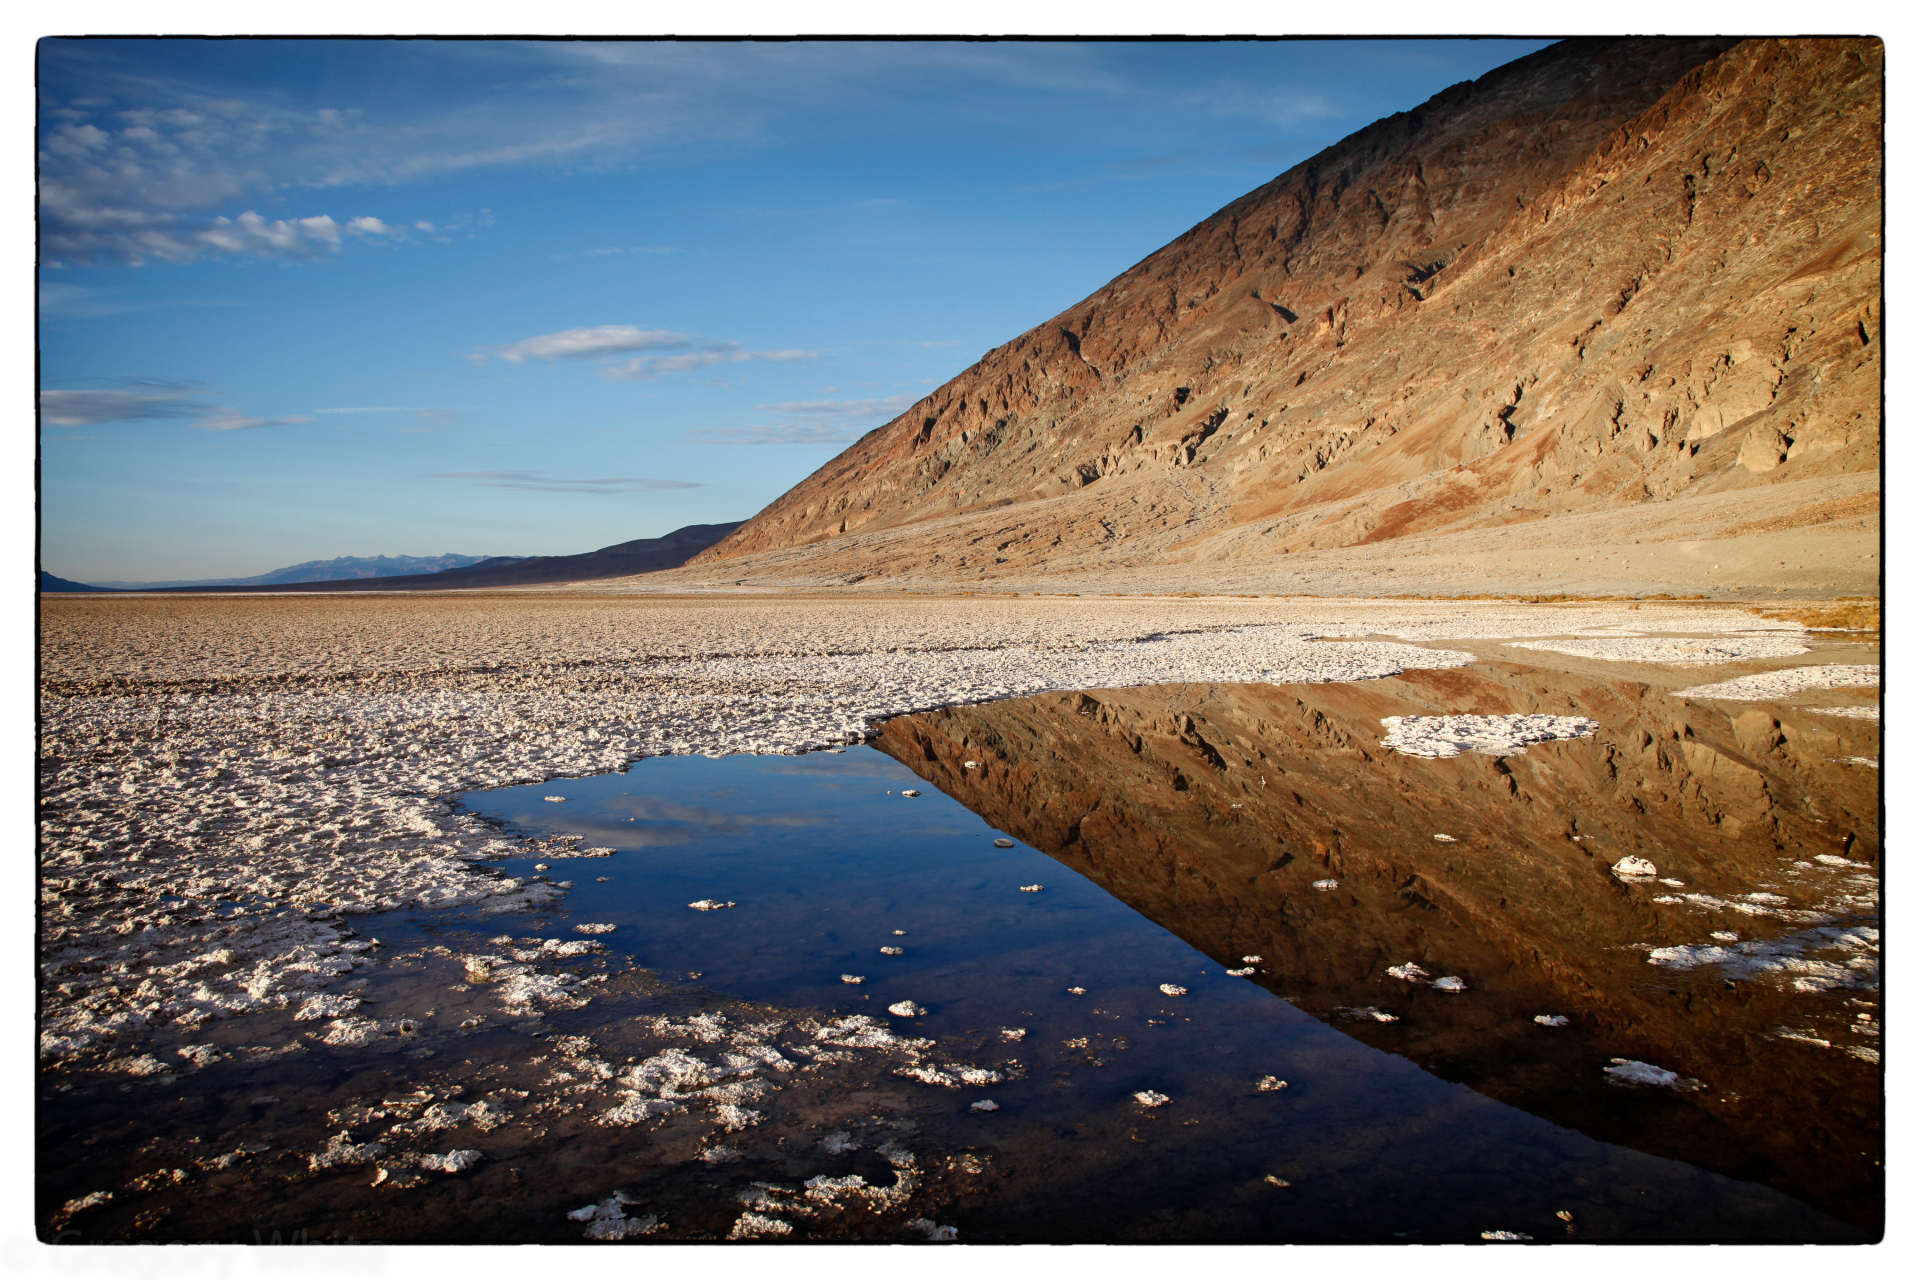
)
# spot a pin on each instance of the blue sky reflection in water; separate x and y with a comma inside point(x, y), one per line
point(825, 865)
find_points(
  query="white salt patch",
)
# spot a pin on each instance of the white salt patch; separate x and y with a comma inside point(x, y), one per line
point(1408, 972)
point(1672, 883)
point(1368, 1011)
point(1868, 761)
point(591, 928)
point(1250, 959)
point(985, 1104)
point(1076, 991)
point(451, 1162)
point(1444, 839)
point(1504, 1235)
point(972, 764)
point(934, 1232)
point(711, 904)
point(1031, 888)
point(1326, 886)
point(317, 1007)
point(1550, 1019)
point(893, 951)
point(1003, 843)
point(554, 799)
point(1443, 737)
point(1240, 973)
point(1167, 988)
point(1148, 1098)
point(1724, 935)
point(1269, 1084)
point(1673, 652)
point(1629, 1072)
point(1769, 686)
point(1013, 1033)
point(1633, 868)
point(1852, 713)
point(1449, 984)
point(909, 793)
point(852, 979)
point(906, 1009)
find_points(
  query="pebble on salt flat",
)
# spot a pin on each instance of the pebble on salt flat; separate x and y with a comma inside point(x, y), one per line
point(905, 1009)
point(1167, 988)
point(1550, 1019)
point(1031, 888)
point(1326, 886)
point(893, 951)
point(853, 979)
point(1148, 1098)
point(1003, 843)
point(986, 1104)
point(711, 904)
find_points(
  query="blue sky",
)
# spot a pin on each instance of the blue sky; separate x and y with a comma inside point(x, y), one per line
point(307, 299)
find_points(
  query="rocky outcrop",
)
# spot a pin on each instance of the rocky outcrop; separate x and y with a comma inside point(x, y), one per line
point(1271, 821)
point(1610, 274)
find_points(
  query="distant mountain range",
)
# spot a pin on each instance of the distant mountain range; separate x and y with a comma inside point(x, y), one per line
point(642, 555)
point(339, 568)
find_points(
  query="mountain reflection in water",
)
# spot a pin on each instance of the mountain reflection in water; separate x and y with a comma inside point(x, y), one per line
point(1214, 809)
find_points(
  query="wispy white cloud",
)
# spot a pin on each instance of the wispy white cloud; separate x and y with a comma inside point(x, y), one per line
point(541, 482)
point(89, 408)
point(811, 422)
point(434, 418)
point(647, 368)
point(581, 344)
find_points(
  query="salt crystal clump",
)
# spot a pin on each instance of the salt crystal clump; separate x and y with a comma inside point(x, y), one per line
point(1269, 1084)
point(1629, 1072)
point(1031, 888)
point(906, 1009)
point(1003, 843)
point(1443, 737)
point(1148, 1098)
point(711, 904)
point(1368, 1011)
point(985, 1104)
point(1013, 1033)
point(1326, 886)
point(1445, 839)
point(852, 979)
point(1167, 988)
point(1240, 973)
point(909, 793)
point(1770, 686)
point(1504, 1235)
point(554, 799)
point(1550, 1019)
point(1076, 991)
point(1631, 868)
point(451, 1162)
point(893, 951)
point(1449, 984)
point(1408, 972)
point(593, 928)
point(971, 764)
point(933, 1232)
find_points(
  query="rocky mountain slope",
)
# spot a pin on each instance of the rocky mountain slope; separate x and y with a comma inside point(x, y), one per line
point(1612, 274)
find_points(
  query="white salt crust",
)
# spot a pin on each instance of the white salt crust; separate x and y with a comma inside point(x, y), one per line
point(1443, 737)
point(1677, 652)
point(1769, 686)
point(225, 782)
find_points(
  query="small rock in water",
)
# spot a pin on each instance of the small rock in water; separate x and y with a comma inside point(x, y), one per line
point(986, 1104)
point(1408, 972)
point(1326, 886)
point(1148, 1098)
point(852, 979)
point(1444, 839)
point(1449, 984)
point(711, 904)
point(905, 1009)
point(893, 951)
point(541, 866)
point(1076, 991)
point(1013, 1033)
point(1550, 1019)
point(1031, 888)
point(1003, 843)
point(588, 928)
point(1240, 973)
point(909, 793)
point(1504, 1235)
point(554, 799)
point(1277, 1180)
point(1167, 988)
point(1270, 1084)
point(1631, 868)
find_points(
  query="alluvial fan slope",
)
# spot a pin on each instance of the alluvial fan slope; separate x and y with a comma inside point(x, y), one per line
point(1615, 272)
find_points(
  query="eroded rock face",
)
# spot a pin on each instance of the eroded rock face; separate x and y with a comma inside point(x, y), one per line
point(1272, 822)
point(1614, 272)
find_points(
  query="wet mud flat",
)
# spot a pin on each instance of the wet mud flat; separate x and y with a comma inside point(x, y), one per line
point(239, 800)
